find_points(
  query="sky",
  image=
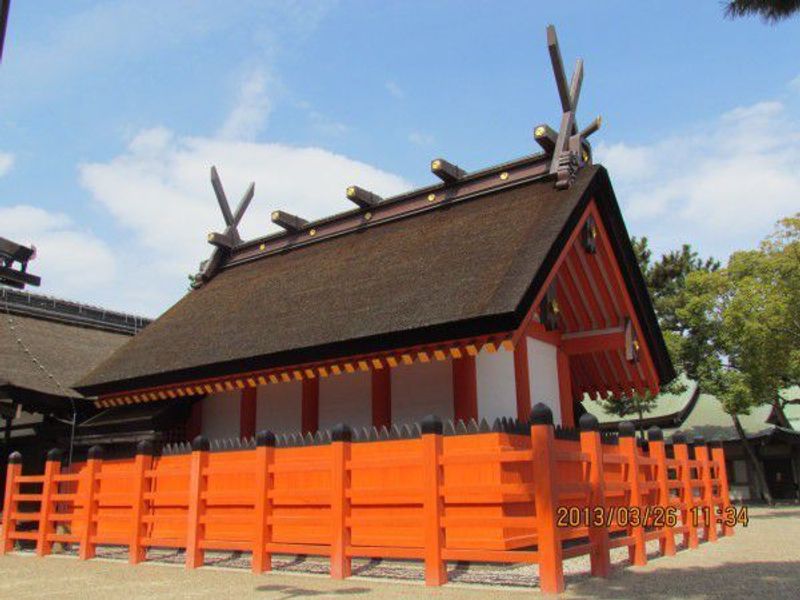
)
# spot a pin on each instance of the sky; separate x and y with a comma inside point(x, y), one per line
point(112, 113)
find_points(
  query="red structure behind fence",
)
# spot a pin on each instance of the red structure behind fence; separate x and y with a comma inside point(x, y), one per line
point(496, 496)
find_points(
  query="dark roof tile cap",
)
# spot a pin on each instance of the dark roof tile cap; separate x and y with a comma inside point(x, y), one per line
point(541, 415)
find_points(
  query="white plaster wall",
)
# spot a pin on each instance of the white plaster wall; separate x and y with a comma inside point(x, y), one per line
point(497, 392)
point(346, 398)
point(279, 407)
point(422, 389)
point(221, 415)
point(543, 372)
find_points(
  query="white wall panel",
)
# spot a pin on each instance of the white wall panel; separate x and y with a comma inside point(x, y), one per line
point(221, 415)
point(543, 370)
point(279, 407)
point(346, 398)
point(422, 389)
point(496, 386)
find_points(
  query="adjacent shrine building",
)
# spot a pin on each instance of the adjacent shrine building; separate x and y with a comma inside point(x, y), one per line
point(471, 299)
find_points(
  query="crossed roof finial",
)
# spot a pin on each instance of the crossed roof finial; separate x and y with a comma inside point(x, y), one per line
point(227, 240)
point(569, 148)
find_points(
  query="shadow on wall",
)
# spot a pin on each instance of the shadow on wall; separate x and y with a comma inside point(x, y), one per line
point(767, 580)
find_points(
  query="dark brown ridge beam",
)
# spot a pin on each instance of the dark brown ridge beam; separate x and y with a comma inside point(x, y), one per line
point(291, 223)
point(446, 171)
point(364, 198)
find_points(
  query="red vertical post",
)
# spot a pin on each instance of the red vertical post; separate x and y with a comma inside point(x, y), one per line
point(265, 457)
point(627, 447)
point(94, 462)
point(598, 535)
point(340, 503)
point(247, 413)
point(658, 453)
point(545, 474)
point(194, 527)
point(51, 468)
point(142, 462)
point(522, 379)
point(718, 455)
point(433, 506)
point(13, 471)
point(310, 406)
point(565, 389)
point(382, 397)
point(709, 506)
point(688, 516)
point(465, 388)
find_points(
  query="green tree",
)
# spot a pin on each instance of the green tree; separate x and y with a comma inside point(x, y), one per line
point(771, 11)
point(626, 405)
point(748, 316)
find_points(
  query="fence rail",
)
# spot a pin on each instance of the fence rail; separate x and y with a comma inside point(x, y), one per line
point(494, 496)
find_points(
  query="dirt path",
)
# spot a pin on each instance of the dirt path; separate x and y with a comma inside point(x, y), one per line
point(760, 562)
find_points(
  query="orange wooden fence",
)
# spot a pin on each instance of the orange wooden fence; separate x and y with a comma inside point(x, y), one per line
point(530, 494)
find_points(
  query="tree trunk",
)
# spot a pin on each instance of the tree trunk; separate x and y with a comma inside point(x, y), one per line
point(758, 468)
point(783, 421)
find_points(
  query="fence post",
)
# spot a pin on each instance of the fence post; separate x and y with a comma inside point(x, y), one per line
point(93, 464)
point(718, 456)
point(13, 471)
point(142, 462)
point(265, 456)
point(551, 566)
point(51, 468)
point(340, 503)
point(194, 528)
point(710, 513)
point(658, 453)
point(598, 534)
point(627, 447)
point(688, 517)
point(433, 507)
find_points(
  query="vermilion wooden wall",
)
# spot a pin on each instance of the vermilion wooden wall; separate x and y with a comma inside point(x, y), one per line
point(486, 496)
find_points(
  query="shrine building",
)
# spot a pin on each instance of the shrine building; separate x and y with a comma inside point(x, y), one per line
point(474, 298)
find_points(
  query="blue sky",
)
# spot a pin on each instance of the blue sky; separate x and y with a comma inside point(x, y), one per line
point(111, 114)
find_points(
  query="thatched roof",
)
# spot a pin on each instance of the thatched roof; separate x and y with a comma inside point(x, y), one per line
point(47, 344)
point(454, 271)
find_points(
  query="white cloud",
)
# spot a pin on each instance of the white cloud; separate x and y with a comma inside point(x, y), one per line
point(720, 185)
point(158, 192)
point(395, 90)
point(420, 138)
point(249, 116)
point(69, 260)
point(6, 162)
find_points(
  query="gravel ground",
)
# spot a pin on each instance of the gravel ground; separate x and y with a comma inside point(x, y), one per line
point(762, 559)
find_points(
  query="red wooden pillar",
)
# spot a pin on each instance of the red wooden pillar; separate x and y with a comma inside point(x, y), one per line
point(310, 406)
point(522, 379)
point(592, 446)
point(565, 389)
point(465, 388)
point(91, 471)
point(140, 483)
point(551, 566)
point(340, 502)
point(382, 397)
point(195, 526)
point(51, 468)
point(265, 456)
point(433, 505)
point(658, 453)
point(627, 448)
point(718, 455)
point(13, 471)
point(247, 413)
